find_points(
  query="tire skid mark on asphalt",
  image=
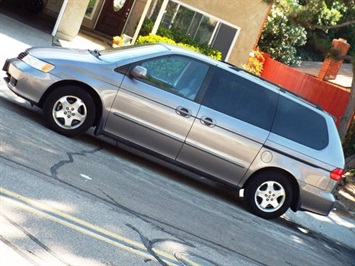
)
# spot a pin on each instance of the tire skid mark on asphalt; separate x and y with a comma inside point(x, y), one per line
point(81, 226)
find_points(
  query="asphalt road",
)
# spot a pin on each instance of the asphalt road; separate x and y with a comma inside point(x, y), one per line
point(83, 201)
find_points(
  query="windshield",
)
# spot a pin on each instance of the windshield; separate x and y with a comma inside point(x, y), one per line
point(127, 52)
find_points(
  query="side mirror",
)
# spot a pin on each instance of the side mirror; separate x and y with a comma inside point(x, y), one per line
point(139, 72)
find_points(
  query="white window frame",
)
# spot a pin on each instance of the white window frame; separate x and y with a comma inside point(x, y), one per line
point(219, 20)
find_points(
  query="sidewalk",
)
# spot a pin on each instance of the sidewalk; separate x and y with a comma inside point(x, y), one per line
point(16, 37)
point(340, 229)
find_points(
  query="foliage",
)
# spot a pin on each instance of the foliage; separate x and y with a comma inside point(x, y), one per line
point(177, 37)
point(346, 32)
point(304, 29)
point(318, 17)
point(208, 50)
point(148, 25)
point(255, 62)
point(152, 38)
point(280, 36)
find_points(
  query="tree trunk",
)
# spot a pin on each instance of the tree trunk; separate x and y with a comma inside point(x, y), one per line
point(349, 111)
point(349, 163)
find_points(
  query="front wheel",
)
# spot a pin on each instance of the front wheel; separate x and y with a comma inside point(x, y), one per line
point(69, 111)
point(269, 194)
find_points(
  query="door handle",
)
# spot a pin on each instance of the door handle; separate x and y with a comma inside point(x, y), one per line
point(183, 111)
point(207, 121)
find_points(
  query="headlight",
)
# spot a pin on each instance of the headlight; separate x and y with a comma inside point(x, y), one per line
point(38, 64)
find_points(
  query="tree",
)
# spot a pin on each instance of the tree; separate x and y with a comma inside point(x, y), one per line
point(321, 21)
point(304, 29)
point(350, 108)
point(280, 35)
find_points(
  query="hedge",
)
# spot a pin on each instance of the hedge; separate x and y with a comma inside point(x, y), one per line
point(203, 49)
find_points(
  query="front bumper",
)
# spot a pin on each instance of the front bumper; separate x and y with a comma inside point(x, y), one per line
point(26, 81)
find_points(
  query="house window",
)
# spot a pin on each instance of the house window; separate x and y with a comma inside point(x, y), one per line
point(90, 10)
point(199, 26)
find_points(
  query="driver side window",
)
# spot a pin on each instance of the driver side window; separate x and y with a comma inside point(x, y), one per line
point(176, 74)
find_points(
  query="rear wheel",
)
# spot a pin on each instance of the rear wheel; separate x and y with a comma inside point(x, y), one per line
point(69, 110)
point(269, 194)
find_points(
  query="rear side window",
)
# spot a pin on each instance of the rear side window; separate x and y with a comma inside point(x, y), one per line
point(300, 124)
point(241, 98)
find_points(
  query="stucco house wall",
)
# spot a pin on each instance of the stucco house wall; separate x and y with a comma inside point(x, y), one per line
point(248, 15)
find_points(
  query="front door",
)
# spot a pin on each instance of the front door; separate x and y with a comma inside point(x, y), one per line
point(112, 22)
point(157, 112)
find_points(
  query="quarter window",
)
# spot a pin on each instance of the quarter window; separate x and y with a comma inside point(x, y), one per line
point(300, 124)
point(177, 74)
point(241, 98)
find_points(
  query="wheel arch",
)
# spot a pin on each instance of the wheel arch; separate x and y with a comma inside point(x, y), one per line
point(94, 95)
point(296, 200)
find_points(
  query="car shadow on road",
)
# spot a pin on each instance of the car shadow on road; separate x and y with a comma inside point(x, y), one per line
point(218, 190)
point(17, 105)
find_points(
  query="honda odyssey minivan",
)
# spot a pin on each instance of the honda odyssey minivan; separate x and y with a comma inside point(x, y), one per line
point(188, 110)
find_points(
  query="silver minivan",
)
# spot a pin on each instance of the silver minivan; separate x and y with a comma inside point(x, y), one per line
point(188, 110)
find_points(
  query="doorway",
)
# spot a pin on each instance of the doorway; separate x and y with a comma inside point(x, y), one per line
point(112, 22)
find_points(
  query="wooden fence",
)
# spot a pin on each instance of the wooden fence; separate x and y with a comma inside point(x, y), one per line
point(330, 97)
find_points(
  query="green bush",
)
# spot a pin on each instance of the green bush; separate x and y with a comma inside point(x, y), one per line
point(174, 36)
point(147, 27)
point(152, 38)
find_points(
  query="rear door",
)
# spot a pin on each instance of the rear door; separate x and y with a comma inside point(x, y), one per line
point(231, 127)
point(158, 110)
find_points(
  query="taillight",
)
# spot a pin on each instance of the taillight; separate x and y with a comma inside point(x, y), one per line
point(336, 174)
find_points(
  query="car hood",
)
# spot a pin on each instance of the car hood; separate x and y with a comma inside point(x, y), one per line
point(55, 54)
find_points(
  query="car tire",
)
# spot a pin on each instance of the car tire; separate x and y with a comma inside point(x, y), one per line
point(69, 110)
point(269, 194)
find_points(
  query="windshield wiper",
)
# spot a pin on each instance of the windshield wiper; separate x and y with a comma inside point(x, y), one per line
point(95, 53)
